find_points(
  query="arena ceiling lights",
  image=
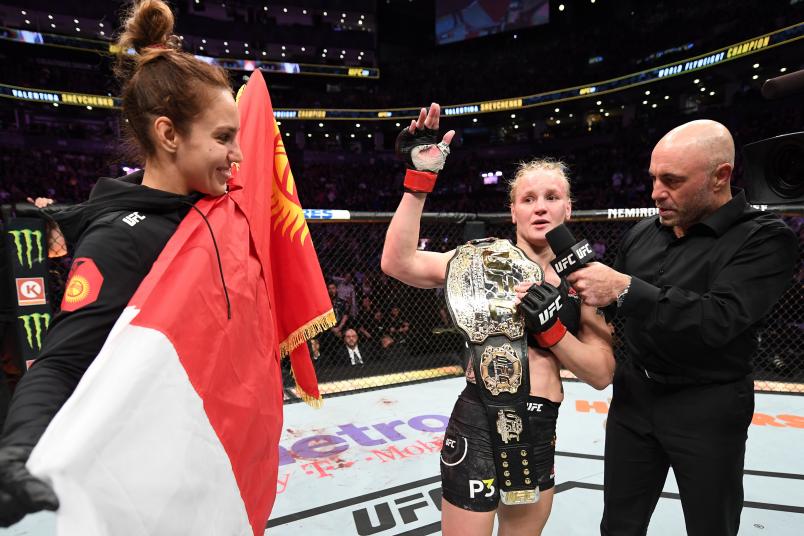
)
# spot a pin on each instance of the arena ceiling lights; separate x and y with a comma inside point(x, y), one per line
point(697, 63)
point(106, 48)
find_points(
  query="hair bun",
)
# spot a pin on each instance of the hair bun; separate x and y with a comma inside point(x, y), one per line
point(149, 24)
point(160, 80)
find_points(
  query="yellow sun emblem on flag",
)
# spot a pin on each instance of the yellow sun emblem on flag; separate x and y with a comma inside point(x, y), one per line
point(285, 208)
point(77, 289)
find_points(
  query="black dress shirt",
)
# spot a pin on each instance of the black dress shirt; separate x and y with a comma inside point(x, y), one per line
point(696, 302)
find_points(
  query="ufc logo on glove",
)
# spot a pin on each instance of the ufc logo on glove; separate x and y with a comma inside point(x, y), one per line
point(548, 313)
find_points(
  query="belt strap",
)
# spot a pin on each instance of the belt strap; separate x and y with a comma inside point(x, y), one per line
point(480, 282)
point(501, 375)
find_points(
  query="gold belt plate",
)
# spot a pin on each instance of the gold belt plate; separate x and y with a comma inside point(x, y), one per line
point(480, 288)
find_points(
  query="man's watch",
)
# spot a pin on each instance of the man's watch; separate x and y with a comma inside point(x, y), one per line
point(621, 295)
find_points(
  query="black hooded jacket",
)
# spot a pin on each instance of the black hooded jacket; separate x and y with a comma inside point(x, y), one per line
point(122, 228)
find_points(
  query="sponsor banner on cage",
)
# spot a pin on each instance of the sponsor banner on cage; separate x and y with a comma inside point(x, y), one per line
point(30, 291)
point(26, 257)
point(326, 214)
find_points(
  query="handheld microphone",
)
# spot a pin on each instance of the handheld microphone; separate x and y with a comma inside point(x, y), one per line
point(571, 254)
point(782, 86)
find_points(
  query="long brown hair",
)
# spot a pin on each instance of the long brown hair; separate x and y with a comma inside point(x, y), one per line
point(157, 78)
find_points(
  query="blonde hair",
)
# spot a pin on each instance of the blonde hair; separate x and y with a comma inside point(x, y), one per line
point(539, 164)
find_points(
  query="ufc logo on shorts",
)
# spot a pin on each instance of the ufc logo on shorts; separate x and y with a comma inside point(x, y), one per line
point(533, 406)
point(547, 314)
point(450, 443)
point(134, 218)
point(476, 486)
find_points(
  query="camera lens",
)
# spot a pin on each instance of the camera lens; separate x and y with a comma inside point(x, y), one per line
point(785, 169)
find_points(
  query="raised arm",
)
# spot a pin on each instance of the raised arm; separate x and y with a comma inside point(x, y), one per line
point(401, 258)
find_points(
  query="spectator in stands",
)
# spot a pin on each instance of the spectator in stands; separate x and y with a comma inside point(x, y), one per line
point(366, 309)
point(341, 309)
point(364, 318)
point(350, 348)
point(379, 329)
point(398, 327)
point(346, 292)
point(314, 346)
point(329, 342)
point(445, 334)
point(376, 333)
point(367, 281)
point(71, 174)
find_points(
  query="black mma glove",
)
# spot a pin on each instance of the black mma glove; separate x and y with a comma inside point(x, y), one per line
point(539, 308)
point(21, 493)
point(424, 157)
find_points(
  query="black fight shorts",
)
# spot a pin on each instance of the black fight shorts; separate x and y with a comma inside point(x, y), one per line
point(468, 475)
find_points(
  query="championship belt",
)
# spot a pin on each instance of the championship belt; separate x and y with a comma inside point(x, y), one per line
point(481, 277)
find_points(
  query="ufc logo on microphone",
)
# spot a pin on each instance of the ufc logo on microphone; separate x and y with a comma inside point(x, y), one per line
point(548, 313)
point(564, 263)
point(583, 251)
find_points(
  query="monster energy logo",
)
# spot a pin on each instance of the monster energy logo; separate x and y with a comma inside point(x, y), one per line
point(27, 236)
point(35, 325)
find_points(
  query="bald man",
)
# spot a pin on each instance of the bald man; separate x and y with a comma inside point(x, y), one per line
point(693, 285)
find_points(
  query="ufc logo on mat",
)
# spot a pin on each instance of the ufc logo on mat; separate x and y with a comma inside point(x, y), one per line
point(548, 313)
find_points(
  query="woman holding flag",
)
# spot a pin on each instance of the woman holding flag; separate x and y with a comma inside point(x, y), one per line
point(172, 299)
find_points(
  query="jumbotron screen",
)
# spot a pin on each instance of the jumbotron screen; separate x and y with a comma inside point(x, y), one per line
point(457, 20)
